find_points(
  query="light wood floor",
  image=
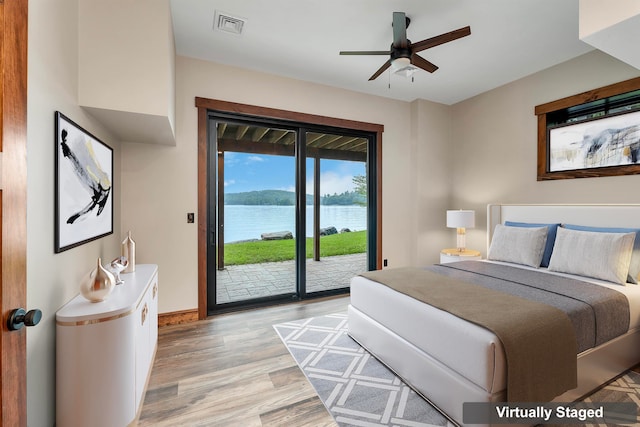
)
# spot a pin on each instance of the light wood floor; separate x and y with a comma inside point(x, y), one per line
point(233, 370)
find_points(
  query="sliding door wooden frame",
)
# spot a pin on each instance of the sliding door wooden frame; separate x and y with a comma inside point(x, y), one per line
point(205, 105)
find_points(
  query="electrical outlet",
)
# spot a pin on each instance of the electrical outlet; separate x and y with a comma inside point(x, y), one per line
point(384, 262)
point(191, 218)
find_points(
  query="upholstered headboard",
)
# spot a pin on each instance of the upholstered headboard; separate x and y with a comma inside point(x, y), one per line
point(603, 215)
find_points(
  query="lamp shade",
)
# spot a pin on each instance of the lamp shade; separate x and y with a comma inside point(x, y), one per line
point(461, 219)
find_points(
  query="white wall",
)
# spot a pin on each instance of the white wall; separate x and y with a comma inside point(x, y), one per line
point(431, 171)
point(495, 143)
point(597, 15)
point(126, 62)
point(126, 56)
point(162, 182)
point(612, 27)
point(53, 279)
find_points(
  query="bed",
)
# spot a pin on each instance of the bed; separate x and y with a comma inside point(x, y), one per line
point(450, 360)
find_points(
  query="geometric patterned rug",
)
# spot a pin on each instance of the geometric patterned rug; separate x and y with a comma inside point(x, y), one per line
point(355, 387)
point(358, 390)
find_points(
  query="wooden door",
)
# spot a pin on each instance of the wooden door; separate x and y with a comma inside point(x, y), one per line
point(13, 215)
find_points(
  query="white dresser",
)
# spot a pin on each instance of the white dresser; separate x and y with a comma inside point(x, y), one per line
point(105, 351)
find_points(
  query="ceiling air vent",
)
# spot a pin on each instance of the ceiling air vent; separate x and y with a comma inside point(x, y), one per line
point(228, 24)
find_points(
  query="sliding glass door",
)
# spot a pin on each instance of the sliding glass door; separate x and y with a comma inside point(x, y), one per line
point(255, 207)
point(336, 213)
point(289, 211)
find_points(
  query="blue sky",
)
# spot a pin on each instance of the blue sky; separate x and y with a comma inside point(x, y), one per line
point(250, 172)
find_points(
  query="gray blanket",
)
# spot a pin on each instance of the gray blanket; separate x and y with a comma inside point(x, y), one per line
point(598, 314)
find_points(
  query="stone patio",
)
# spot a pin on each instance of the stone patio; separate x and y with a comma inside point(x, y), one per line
point(243, 282)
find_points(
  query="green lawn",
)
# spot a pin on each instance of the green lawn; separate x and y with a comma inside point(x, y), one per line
point(283, 250)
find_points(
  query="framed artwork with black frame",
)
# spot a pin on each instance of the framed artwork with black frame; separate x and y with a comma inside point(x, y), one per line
point(83, 186)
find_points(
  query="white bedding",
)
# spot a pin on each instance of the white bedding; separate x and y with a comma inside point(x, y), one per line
point(469, 350)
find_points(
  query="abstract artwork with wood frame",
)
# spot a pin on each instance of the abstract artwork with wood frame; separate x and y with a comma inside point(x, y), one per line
point(610, 141)
point(83, 186)
point(607, 145)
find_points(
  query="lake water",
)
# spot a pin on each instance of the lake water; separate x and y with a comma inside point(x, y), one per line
point(243, 222)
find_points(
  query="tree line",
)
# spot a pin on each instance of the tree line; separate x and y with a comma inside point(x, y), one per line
point(288, 198)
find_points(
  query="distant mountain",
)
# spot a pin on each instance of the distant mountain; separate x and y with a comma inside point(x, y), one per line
point(288, 198)
point(263, 197)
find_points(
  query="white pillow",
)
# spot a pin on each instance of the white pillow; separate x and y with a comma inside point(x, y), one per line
point(603, 256)
point(518, 245)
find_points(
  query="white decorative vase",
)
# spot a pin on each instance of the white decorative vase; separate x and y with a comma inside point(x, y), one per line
point(98, 284)
point(129, 252)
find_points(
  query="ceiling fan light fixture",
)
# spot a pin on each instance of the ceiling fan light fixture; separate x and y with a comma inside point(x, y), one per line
point(403, 54)
point(403, 67)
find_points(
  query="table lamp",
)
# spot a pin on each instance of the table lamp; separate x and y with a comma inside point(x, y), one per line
point(461, 220)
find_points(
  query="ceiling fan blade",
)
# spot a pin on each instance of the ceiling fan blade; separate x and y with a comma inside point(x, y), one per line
point(420, 62)
point(380, 70)
point(365, 52)
point(442, 38)
point(399, 30)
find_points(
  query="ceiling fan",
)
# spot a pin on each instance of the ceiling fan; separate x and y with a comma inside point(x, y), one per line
point(404, 54)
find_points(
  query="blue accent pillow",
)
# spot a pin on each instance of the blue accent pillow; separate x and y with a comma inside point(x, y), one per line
point(634, 266)
point(551, 237)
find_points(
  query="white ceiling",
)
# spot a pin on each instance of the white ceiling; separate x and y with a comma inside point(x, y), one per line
point(301, 39)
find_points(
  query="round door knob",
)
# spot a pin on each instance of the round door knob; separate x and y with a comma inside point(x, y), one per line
point(19, 317)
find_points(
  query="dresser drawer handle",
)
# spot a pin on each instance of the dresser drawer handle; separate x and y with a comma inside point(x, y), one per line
point(145, 310)
point(155, 289)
